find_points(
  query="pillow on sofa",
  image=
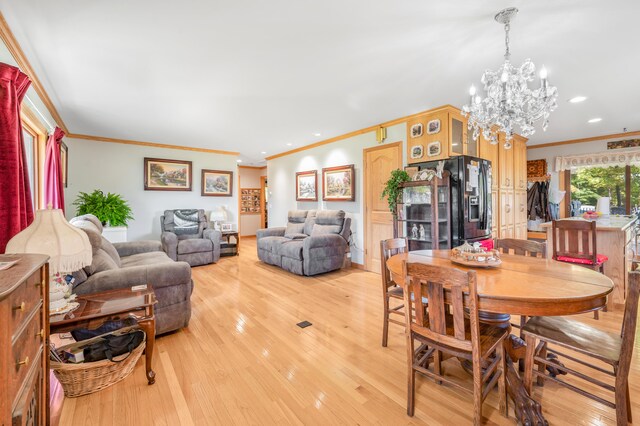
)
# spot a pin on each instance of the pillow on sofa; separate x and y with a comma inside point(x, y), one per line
point(101, 262)
point(296, 236)
point(293, 228)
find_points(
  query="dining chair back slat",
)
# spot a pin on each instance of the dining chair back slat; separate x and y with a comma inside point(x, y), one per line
point(389, 248)
point(521, 247)
point(575, 238)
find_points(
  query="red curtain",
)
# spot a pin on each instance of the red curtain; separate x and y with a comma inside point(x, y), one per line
point(16, 208)
point(53, 190)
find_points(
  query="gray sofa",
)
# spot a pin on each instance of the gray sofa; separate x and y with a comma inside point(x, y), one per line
point(192, 242)
point(312, 242)
point(123, 265)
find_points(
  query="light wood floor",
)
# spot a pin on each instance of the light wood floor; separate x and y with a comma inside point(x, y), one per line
point(243, 361)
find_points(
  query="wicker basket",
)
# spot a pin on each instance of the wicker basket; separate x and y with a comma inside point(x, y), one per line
point(85, 378)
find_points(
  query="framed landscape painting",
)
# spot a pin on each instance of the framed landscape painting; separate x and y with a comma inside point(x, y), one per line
point(338, 183)
point(217, 183)
point(306, 186)
point(167, 175)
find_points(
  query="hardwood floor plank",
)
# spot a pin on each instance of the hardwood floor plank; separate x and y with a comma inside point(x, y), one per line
point(243, 360)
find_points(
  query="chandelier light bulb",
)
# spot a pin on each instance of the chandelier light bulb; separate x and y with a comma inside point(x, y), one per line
point(472, 91)
point(504, 77)
point(478, 99)
point(543, 73)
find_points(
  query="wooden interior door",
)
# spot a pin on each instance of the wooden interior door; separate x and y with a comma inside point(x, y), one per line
point(379, 162)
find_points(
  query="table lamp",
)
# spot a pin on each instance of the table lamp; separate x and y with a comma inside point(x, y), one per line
point(219, 216)
point(68, 249)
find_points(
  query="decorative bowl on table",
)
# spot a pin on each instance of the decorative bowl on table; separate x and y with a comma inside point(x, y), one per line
point(475, 255)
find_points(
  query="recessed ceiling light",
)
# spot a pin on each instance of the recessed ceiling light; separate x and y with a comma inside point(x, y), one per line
point(263, 152)
point(594, 120)
point(289, 144)
point(317, 134)
point(238, 161)
point(578, 99)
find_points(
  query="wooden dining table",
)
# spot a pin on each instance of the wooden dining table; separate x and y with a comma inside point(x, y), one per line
point(522, 285)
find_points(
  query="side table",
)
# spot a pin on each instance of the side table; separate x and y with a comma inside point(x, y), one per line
point(229, 248)
point(97, 308)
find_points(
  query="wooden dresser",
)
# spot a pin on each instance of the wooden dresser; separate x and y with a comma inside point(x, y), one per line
point(24, 341)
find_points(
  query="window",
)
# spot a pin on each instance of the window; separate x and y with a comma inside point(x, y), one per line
point(620, 183)
point(30, 141)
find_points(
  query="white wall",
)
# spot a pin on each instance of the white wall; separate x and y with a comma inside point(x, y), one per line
point(282, 177)
point(250, 178)
point(118, 168)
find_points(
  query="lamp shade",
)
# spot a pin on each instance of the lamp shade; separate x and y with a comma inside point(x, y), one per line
point(68, 247)
point(219, 215)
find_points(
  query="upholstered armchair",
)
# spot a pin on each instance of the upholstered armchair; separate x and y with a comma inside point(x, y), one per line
point(186, 236)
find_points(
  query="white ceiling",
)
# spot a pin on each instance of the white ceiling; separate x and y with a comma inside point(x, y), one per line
point(254, 76)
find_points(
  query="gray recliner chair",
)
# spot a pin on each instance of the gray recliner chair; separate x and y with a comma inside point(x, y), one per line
point(312, 242)
point(186, 236)
point(123, 265)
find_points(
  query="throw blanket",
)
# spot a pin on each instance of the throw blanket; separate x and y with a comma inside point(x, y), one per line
point(185, 222)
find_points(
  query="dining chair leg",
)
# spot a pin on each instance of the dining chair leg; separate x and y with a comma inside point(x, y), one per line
point(502, 381)
point(411, 376)
point(477, 393)
point(541, 367)
point(596, 315)
point(622, 406)
point(437, 365)
point(629, 416)
point(528, 362)
point(385, 325)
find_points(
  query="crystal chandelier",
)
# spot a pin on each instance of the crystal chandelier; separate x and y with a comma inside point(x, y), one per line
point(509, 101)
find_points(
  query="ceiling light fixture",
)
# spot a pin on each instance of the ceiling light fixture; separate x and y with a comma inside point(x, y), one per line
point(289, 144)
point(509, 101)
point(578, 99)
point(317, 134)
point(238, 161)
point(263, 152)
point(594, 120)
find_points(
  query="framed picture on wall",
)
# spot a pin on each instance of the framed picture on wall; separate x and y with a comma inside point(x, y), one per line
point(306, 186)
point(64, 163)
point(338, 183)
point(167, 175)
point(433, 127)
point(217, 183)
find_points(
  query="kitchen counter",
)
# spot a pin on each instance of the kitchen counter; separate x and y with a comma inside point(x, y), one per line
point(611, 223)
point(615, 239)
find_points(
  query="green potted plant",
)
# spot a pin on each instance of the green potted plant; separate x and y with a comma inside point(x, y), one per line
point(392, 189)
point(111, 209)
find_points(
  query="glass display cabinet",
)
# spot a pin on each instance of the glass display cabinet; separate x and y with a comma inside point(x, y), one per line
point(424, 215)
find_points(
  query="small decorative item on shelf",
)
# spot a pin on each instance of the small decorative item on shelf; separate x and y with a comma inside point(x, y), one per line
point(475, 255)
point(422, 232)
point(414, 232)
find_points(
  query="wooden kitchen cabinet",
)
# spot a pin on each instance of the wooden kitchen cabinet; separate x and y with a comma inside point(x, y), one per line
point(460, 138)
point(519, 163)
point(505, 165)
point(434, 146)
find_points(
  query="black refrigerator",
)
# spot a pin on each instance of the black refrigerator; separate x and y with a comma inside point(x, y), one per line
point(470, 197)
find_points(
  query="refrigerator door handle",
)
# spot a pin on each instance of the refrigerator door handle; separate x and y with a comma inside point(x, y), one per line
point(483, 196)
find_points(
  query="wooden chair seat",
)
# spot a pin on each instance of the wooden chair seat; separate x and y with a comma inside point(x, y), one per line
point(577, 336)
point(489, 335)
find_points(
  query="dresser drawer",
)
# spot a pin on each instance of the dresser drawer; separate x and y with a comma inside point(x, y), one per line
point(24, 299)
point(25, 350)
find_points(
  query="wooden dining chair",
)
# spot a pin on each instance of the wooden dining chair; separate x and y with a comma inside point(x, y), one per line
point(610, 348)
point(390, 289)
point(439, 331)
point(575, 241)
point(521, 248)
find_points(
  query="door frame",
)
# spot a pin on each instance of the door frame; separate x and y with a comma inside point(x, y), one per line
point(366, 188)
point(263, 203)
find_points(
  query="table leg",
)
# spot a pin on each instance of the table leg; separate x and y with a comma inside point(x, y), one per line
point(149, 327)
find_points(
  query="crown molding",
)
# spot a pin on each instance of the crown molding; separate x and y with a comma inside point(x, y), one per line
point(252, 167)
point(361, 131)
point(591, 139)
point(23, 63)
point(152, 144)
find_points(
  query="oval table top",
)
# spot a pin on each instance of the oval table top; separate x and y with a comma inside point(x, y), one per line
point(524, 285)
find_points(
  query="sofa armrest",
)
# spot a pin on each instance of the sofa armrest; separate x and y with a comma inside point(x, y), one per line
point(212, 234)
point(157, 275)
point(170, 244)
point(136, 247)
point(270, 232)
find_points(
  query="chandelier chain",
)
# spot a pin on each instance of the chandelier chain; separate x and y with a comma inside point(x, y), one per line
point(507, 53)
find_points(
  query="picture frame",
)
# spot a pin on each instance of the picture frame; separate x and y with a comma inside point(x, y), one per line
point(226, 227)
point(216, 183)
point(434, 149)
point(338, 183)
point(307, 186)
point(64, 163)
point(417, 152)
point(161, 174)
point(433, 127)
point(417, 130)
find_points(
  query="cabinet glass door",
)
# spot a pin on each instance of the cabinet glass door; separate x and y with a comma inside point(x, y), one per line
point(457, 136)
